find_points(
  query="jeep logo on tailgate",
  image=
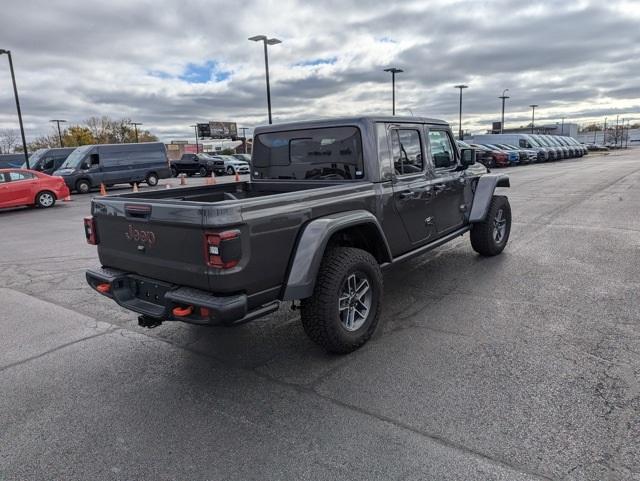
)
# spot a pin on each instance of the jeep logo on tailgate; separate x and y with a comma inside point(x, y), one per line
point(137, 235)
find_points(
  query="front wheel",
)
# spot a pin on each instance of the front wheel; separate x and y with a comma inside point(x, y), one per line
point(202, 171)
point(342, 314)
point(45, 199)
point(489, 237)
point(83, 186)
point(230, 170)
point(152, 179)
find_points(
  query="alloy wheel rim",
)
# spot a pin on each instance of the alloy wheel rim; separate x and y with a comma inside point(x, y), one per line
point(499, 226)
point(46, 200)
point(354, 301)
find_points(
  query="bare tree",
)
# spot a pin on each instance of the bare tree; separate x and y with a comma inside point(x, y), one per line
point(8, 140)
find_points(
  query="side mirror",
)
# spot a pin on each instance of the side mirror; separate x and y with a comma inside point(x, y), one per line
point(84, 165)
point(467, 157)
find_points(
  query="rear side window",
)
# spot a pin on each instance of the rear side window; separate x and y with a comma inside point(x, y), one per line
point(407, 151)
point(333, 153)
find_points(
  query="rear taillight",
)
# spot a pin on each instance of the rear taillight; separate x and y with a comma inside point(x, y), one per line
point(90, 230)
point(222, 249)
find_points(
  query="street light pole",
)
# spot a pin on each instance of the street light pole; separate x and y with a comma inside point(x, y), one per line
point(393, 72)
point(533, 115)
point(604, 135)
point(195, 129)
point(57, 121)
point(562, 133)
point(15, 93)
point(626, 144)
point(135, 126)
point(244, 137)
point(266, 41)
point(503, 97)
point(461, 86)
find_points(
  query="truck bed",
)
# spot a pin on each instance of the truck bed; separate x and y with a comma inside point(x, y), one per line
point(268, 215)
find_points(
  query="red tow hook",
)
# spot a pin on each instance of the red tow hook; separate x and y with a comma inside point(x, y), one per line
point(103, 288)
point(182, 311)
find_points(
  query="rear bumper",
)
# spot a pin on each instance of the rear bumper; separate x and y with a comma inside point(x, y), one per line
point(160, 300)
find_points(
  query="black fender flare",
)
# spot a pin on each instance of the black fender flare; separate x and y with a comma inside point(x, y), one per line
point(311, 246)
point(484, 192)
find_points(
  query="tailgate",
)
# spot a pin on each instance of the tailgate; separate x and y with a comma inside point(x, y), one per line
point(157, 240)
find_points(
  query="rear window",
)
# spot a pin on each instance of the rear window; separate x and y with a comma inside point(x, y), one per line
point(333, 153)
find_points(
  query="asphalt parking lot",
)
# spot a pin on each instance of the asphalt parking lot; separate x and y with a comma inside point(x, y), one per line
point(525, 366)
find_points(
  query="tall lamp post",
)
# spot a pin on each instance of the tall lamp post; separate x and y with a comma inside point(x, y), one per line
point(393, 72)
point(195, 129)
point(58, 121)
point(604, 134)
point(135, 127)
point(461, 86)
point(15, 93)
point(503, 97)
point(562, 127)
point(266, 41)
point(533, 115)
point(244, 137)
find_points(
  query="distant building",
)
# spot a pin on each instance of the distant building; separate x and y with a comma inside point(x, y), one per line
point(568, 129)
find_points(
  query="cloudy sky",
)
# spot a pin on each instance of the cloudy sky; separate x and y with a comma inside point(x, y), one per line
point(170, 63)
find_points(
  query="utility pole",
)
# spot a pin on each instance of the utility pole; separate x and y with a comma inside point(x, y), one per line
point(615, 145)
point(533, 115)
point(562, 133)
point(15, 93)
point(461, 86)
point(244, 138)
point(135, 126)
point(503, 97)
point(195, 129)
point(57, 121)
point(604, 138)
point(626, 144)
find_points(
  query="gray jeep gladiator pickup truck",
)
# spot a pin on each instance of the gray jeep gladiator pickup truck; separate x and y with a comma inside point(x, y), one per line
point(330, 204)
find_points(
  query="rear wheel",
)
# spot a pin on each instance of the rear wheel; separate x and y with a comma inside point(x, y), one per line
point(152, 179)
point(343, 312)
point(83, 186)
point(174, 172)
point(230, 170)
point(489, 238)
point(45, 199)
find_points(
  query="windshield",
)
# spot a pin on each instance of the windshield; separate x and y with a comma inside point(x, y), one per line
point(35, 158)
point(532, 141)
point(74, 159)
point(333, 153)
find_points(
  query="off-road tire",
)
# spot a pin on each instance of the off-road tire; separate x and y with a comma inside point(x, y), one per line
point(152, 179)
point(202, 171)
point(45, 199)
point(483, 234)
point(231, 170)
point(83, 186)
point(320, 314)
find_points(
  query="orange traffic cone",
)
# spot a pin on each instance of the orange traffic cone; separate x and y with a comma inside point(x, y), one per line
point(67, 198)
point(237, 176)
point(135, 187)
point(168, 186)
point(103, 189)
point(213, 177)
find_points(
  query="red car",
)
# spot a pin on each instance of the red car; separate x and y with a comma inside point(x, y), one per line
point(28, 187)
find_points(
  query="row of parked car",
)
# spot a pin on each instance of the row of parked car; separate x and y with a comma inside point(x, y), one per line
point(502, 150)
point(54, 173)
